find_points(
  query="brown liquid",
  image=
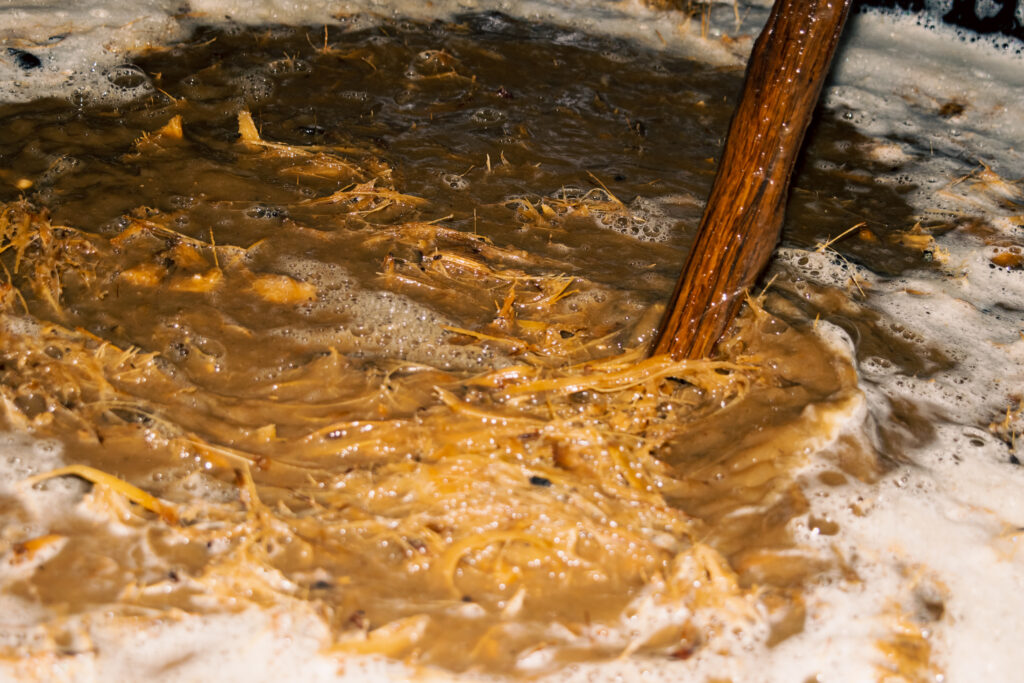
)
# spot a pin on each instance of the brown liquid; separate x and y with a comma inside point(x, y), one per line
point(423, 176)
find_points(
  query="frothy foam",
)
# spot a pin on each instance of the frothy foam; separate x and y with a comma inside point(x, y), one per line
point(382, 324)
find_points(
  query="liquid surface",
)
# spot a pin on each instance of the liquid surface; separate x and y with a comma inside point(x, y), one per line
point(370, 323)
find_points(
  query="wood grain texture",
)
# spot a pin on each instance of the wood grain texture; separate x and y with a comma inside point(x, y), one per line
point(743, 216)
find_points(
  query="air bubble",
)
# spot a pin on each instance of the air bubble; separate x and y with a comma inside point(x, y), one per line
point(487, 116)
point(127, 76)
point(25, 61)
point(256, 86)
point(454, 181)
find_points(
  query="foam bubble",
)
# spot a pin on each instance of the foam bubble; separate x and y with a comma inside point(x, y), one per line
point(22, 456)
point(921, 520)
point(645, 220)
point(899, 80)
point(77, 51)
point(255, 86)
point(381, 324)
point(17, 619)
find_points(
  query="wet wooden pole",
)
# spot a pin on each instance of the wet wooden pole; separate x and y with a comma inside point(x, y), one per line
point(743, 215)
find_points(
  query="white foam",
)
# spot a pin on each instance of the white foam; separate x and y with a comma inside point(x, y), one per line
point(644, 219)
point(252, 645)
point(79, 47)
point(942, 524)
point(22, 456)
point(381, 324)
point(921, 533)
point(894, 75)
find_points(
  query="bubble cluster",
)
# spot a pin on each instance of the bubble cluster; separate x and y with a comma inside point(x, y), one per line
point(380, 324)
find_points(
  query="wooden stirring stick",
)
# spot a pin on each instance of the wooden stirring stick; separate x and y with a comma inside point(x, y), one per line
point(743, 216)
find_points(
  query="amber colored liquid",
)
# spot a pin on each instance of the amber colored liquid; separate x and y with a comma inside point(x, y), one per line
point(296, 422)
